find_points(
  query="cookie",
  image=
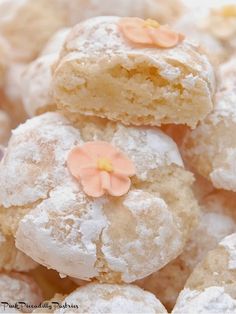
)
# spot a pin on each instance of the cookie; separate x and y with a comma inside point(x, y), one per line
point(36, 79)
point(211, 286)
point(213, 28)
point(217, 220)
point(125, 218)
point(17, 289)
point(28, 24)
point(210, 149)
point(134, 71)
point(107, 298)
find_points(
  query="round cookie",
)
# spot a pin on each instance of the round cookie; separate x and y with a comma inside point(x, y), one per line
point(107, 298)
point(106, 55)
point(15, 288)
point(5, 127)
point(37, 77)
point(212, 285)
point(214, 28)
point(210, 149)
point(163, 11)
point(45, 17)
point(217, 220)
point(111, 238)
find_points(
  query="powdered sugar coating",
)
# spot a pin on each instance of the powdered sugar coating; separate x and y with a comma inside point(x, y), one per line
point(37, 77)
point(210, 300)
point(197, 25)
point(67, 225)
point(95, 298)
point(230, 244)
point(56, 42)
point(35, 84)
point(214, 225)
point(97, 46)
point(211, 147)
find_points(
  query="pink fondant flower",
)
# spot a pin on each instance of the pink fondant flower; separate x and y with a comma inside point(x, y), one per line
point(149, 33)
point(101, 168)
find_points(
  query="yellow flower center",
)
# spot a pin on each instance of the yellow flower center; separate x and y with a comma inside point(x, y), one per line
point(151, 23)
point(104, 164)
point(229, 10)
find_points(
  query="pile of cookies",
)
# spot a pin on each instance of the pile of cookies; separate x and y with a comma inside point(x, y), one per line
point(118, 157)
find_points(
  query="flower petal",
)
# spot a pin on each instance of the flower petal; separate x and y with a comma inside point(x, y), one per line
point(91, 182)
point(122, 164)
point(99, 149)
point(77, 159)
point(163, 37)
point(105, 180)
point(119, 185)
point(133, 29)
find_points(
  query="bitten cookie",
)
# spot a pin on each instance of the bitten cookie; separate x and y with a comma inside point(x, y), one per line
point(15, 288)
point(107, 298)
point(28, 24)
point(134, 71)
point(217, 220)
point(96, 200)
point(212, 285)
point(210, 149)
point(36, 79)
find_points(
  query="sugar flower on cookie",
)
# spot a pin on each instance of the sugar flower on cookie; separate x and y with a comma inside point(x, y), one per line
point(149, 32)
point(101, 168)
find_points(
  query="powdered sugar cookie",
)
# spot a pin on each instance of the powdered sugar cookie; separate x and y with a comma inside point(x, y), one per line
point(211, 286)
point(15, 288)
point(217, 220)
point(37, 77)
point(5, 127)
point(107, 298)
point(28, 24)
point(118, 217)
point(210, 149)
point(164, 11)
point(213, 28)
point(163, 78)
